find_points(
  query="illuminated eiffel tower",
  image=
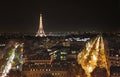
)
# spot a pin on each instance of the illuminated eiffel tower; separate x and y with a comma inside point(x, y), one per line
point(93, 56)
point(40, 32)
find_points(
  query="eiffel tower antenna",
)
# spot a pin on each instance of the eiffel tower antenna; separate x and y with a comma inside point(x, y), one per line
point(40, 32)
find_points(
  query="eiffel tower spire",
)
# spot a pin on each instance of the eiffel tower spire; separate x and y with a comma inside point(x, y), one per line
point(40, 32)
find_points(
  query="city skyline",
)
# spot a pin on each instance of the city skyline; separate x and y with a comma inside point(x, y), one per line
point(81, 16)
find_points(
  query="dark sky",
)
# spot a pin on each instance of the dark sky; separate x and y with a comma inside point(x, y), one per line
point(58, 15)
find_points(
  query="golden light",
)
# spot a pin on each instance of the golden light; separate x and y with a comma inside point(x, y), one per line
point(90, 69)
point(94, 58)
point(93, 53)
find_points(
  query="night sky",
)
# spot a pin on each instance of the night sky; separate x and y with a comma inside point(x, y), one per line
point(58, 15)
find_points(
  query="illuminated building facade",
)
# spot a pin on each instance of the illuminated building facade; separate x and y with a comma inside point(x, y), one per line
point(114, 62)
point(114, 55)
point(39, 70)
point(39, 65)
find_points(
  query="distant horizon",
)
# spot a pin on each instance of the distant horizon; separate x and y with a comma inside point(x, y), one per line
point(96, 15)
point(59, 32)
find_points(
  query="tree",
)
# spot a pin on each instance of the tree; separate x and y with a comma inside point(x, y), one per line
point(99, 72)
point(77, 70)
point(14, 73)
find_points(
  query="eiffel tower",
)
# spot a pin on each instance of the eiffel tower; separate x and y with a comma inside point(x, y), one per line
point(40, 32)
